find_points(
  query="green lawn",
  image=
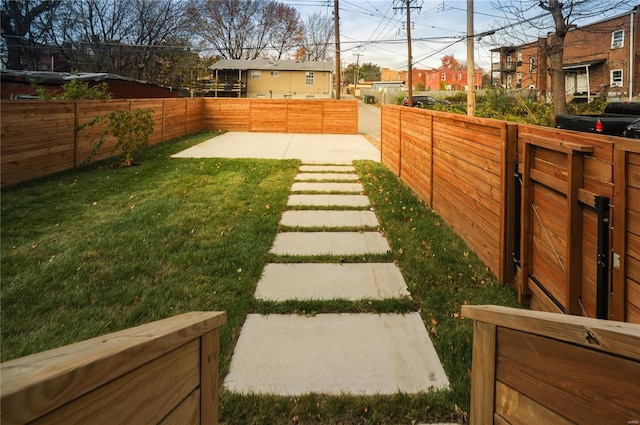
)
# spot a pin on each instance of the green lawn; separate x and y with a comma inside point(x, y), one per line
point(100, 249)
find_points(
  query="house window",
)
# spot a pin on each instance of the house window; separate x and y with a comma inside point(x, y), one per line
point(617, 39)
point(509, 60)
point(275, 74)
point(255, 75)
point(616, 78)
point(518, 80)
point(308, 78)
point(509, 80)
point(444, 76)
point(519, 56)
point(532, 64)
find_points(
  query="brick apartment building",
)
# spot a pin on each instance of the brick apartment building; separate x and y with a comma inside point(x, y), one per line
point(434, 79)
point(600, 59)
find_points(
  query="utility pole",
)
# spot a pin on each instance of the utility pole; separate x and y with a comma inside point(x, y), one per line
point(356, 76)
point(471, 71)
point(336, 30)
point(409, 4)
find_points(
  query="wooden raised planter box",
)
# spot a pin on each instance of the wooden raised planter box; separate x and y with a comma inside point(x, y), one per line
point(534, 367)
point(165, 372)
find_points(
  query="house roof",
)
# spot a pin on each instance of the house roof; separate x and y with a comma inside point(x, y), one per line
point(49, 77)
point(272, 65)
point(584, 64)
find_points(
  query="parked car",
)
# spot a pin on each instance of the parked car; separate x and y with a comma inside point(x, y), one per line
point(423, 101)
point(633, 130)
point(614, 120)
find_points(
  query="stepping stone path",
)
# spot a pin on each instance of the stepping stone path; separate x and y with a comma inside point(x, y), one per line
point(340, 353)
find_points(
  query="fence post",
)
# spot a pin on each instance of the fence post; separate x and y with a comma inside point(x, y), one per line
point(400, 145)
point(430, 201)
point(209, 359)
point(575, 167)
point(76, 121)
point(508, 209)
point(163, 120)
point(483, 373)
point(186, 116)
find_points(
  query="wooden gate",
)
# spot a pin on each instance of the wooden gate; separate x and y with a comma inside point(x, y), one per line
point(626, 232)
point(564, 176)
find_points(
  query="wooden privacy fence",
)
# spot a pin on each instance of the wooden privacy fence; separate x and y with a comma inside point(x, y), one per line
point(534, 367)
point(457, 165)
point(39, 138)
point(165, 372)
point(561, 208)
point(282, 115)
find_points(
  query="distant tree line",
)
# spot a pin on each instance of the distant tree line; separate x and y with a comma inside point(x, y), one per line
point(168, 42)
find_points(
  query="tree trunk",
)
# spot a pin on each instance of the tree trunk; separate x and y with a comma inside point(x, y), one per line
point(556, 57)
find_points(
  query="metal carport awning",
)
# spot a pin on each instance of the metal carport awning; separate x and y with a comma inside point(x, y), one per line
point(586, 66)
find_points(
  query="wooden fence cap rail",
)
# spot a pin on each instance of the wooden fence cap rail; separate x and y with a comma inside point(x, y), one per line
point(556, 144)
point(604, 335)
point(89, 364)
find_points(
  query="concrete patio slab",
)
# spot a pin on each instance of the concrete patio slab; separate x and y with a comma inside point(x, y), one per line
point(326, 176)
point(327, 187)
point(327, 168)
point(341, 149)
point(361, 354)
point(328, 200)
point(327, 281)
point(329, 243)
point(319, 218)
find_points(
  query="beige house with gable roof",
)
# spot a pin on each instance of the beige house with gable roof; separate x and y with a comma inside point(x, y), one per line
point(271, 79)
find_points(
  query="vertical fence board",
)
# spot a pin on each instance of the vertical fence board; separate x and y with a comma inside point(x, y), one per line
point(209, 360)
point(483, 372)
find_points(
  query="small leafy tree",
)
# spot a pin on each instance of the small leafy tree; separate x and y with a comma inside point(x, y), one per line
point(76, 90)
point(131, 130)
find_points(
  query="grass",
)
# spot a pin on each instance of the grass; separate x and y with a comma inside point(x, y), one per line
point(97, 250)
point(101, 249)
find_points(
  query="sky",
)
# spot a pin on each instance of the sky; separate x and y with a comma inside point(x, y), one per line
point(376, 30)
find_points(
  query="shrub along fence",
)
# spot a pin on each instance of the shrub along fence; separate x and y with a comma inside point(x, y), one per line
point(39, 138)
point(534, 203)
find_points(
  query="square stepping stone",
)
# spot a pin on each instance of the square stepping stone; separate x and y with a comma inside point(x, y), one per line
point(360, 354)
point(329, 243)
point(327, 187)
point(318, 218)
point(328, 200)
point(326, 176)
point(327, 168)
point(327, 281)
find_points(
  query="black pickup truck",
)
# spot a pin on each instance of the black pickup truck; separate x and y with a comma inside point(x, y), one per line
point(615, 119)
